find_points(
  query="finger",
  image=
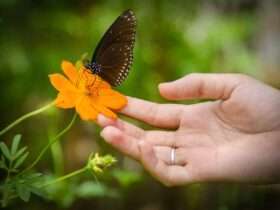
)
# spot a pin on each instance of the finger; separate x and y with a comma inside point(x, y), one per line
point(121, 141)
point(160, 115)
point(169, 175)
point(161, 138)
point(207, 86)
point(164, 153)
point(126, 127)
point(172, 138)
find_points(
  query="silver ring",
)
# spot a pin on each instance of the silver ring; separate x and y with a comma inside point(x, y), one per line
point(172, 156)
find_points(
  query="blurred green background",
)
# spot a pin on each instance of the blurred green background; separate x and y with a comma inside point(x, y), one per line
point(174, 38)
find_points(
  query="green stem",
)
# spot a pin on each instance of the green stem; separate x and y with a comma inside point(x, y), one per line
point(57, 158)
point(53, 140)
point(6, 189)
point(30, 114)
point(74, 173)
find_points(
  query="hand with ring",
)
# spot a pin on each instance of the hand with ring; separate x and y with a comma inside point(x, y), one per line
point(235, 137)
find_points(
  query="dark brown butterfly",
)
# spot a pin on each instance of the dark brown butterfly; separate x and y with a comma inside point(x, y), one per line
point(113, 55)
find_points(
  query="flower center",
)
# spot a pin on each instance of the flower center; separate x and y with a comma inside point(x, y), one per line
point(87, 83)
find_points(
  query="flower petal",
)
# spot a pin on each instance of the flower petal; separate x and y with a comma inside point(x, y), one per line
point(93, 80)
point(111, 99)
point(105, 111)
point(85, 110)
point(70, 71)
point(66, 100)
point(61, 83)
point(104, 84)
point(99, 82)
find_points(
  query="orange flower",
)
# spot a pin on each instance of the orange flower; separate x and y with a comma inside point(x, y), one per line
point(88, 93)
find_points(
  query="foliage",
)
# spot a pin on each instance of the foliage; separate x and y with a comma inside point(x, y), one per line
point(17, 186)
point(22, 183)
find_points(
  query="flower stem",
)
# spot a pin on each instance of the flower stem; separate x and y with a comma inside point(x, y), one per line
point(59, 179)
point(53, 140)
point(30, 114)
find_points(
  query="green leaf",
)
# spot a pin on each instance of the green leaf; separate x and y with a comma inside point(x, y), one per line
point(5, 150)
point(3, 164)
point(15, 144)
point(33, 176)
point(37, 191)
point(23, 192)
point(21, 160)
point(13, 170)
point(20, 152)
point(2, 158)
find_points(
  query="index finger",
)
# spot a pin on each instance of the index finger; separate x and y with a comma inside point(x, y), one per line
point(160, 115)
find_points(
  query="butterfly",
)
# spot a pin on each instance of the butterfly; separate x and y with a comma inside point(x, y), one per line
point(113, 55)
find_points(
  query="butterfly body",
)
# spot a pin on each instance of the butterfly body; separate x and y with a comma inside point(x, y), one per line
point(94, 67)
point(113, 55)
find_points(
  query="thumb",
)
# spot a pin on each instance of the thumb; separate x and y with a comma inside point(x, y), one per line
point(201, 86)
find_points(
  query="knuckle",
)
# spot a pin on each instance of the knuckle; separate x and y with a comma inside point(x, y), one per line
point(199, 84)
point(200, 89)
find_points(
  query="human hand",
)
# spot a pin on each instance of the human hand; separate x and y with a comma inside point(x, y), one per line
point(235, 137)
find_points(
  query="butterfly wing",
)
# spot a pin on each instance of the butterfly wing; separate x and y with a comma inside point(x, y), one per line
point(114, 53)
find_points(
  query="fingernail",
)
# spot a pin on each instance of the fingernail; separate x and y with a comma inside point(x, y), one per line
point(163, 85)
point(160, 85)
point(107, 140)
point(102, 134)
point(103, 121)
